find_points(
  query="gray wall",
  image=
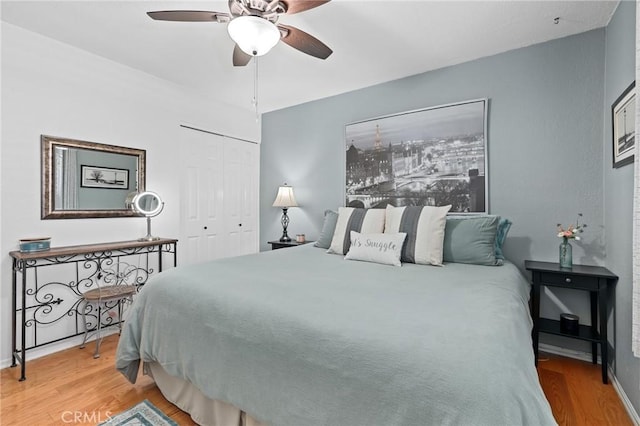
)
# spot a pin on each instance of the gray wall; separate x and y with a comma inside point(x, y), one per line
point(547, 115)
point(544, 142)
point(618, 194)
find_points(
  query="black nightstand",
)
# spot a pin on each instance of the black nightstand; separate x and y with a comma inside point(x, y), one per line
point(594, 279)
point(275, 245)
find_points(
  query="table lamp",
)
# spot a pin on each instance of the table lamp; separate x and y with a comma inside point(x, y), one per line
point(285, 199)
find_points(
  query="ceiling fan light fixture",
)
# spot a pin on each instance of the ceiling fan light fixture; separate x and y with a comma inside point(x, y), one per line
point(254, 35)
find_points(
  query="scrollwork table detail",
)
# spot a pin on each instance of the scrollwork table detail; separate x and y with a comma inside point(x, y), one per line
point(39, 305)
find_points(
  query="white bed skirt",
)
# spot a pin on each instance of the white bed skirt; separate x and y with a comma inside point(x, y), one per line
point(203, 410)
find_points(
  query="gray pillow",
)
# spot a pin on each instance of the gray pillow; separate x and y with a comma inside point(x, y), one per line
point(471, 240)
point(328, 228)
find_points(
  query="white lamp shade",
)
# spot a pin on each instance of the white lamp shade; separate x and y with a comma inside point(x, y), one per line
point(255, 36)
point(285, 197)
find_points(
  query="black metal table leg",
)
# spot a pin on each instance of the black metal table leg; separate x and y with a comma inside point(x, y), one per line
point(14, 319)
point(175, 255)
point(604, 344)
point(594, 325)
point(23, 348)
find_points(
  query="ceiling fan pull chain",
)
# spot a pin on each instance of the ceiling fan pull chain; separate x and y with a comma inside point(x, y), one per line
point(255, 86)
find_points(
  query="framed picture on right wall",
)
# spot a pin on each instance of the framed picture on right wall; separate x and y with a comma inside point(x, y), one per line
point(623, 113)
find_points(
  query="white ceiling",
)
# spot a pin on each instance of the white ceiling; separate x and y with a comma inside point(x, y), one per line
point(373, 41)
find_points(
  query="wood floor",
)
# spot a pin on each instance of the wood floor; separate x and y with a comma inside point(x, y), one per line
point(576, 393)
point(71, 387)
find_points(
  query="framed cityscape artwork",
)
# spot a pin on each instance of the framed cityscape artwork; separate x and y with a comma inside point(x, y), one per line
point(623, 113)
point(429, 157)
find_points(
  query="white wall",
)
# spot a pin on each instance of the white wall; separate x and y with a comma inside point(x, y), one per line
point(55, 89)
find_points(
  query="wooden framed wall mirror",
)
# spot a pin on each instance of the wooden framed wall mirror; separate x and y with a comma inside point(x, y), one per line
point(86, 179)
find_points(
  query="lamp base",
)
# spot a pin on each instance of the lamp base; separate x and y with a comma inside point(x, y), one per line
point(149, 238)
point(285, 223)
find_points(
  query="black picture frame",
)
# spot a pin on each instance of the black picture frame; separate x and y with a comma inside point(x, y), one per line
point(623, 125)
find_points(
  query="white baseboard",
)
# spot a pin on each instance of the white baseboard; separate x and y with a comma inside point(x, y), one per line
point(585, 356)
point(625, 400)
point(569, 353)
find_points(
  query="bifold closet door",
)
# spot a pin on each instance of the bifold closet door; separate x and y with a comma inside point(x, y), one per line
point(218, 197)
point(202, 232)
point(241, 171)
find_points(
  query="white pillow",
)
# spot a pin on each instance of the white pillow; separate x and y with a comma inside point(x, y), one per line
point(366, 221)
point(377, 248)
point(424, 226)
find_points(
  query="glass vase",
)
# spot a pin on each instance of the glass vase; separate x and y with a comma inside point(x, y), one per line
point(566, 255)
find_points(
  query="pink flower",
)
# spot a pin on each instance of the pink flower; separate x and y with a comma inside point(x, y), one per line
point(572, 231)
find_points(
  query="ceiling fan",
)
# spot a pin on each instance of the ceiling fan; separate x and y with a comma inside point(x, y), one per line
point(252, 24)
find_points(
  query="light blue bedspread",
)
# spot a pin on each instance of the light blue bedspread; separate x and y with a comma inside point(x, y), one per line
point(300, 337)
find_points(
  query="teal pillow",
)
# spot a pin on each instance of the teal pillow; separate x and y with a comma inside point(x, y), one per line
point(328, 228)
point(471, 239)
point(503, 228)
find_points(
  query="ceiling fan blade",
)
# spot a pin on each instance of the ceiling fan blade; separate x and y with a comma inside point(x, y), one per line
point(189, 16)
point(240, 58)
point(304, 42)
point(297, 6)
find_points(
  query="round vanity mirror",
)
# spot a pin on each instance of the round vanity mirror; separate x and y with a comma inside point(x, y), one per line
point(148, 204)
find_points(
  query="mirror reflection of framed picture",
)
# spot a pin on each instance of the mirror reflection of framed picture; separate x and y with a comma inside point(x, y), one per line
point(623, 113)
point(104, 177)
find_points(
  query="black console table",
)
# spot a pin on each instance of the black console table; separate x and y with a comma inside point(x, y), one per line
point(595, 280)
point(37, 304)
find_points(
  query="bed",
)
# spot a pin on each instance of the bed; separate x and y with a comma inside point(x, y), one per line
point(301, 337)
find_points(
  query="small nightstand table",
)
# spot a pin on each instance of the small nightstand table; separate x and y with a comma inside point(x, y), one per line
point(594, 279)
point(275, 245)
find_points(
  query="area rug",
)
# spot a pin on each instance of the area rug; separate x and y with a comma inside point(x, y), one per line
point(143, 414)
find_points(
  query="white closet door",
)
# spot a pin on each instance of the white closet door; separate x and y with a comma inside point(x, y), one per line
point(241, 173)
point(202, 197)
point(219, 197)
